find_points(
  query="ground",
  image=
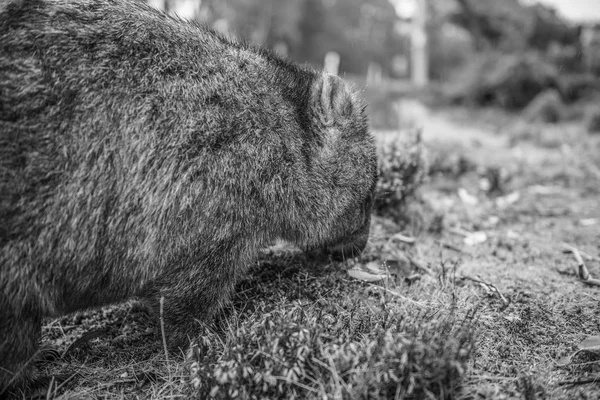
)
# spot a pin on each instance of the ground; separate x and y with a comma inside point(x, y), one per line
point(482, 305)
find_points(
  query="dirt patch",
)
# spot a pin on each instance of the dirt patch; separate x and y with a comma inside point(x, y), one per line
point(548, 196)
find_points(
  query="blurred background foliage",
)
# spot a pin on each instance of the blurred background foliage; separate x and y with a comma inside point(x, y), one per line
point(359, 31)
point(480, 52)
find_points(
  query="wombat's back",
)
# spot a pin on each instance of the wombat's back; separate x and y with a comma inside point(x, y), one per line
point(109, 113)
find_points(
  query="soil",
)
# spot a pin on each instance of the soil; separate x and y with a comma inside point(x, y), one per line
point(530, 195)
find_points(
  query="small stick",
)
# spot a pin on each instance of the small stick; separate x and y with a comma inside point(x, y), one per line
point(402, 238)
point(452, 247)
point(490, 287)
point(592, 282)
point(493, 378)
point(162, 328)
point(418, 265)
point(588, 257)
point(567, 249)
point(460, 232)
point(582, 271)
point(581, 382)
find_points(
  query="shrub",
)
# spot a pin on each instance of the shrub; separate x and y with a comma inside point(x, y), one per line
point(402, 169)
point(574, 87)
point(510, 81)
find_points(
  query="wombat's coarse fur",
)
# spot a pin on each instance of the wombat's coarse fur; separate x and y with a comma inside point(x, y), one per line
point(145, 156)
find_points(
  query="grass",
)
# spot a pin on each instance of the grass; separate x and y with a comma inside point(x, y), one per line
point(486, 321)
point(297, 328)
point(315, 333)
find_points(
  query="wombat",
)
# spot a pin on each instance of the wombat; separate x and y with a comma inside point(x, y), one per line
point(145, 156)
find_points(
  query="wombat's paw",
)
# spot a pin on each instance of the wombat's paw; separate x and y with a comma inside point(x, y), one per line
point(33, 386)
point(346, 251)
point(43, 386)
point(179, 337)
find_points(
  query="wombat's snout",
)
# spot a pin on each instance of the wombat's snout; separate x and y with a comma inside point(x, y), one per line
point(355, 243)
point(346, 250)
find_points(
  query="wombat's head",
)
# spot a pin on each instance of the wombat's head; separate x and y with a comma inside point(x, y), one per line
point(346, 165)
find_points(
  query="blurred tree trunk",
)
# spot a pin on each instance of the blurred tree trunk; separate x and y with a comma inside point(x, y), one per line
point(473, 24)
point(419, 47)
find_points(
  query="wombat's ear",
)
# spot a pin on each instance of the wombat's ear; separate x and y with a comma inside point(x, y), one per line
point(333, 98)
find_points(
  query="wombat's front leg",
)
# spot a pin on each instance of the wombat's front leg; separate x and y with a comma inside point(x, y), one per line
point(191, 295)
point(19, 339)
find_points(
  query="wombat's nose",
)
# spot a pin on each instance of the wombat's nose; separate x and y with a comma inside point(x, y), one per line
point(344, 251)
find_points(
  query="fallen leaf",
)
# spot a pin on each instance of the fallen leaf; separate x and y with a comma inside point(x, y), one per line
point(563, 362)
point(402, 238)
point(374, 267)
point(368, 273)
point(588, 221)
point(591, 343)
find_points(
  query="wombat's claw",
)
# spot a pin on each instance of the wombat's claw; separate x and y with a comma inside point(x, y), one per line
point(48, 353)
point(42, 385)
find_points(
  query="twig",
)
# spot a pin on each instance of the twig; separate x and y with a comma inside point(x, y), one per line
point(333, 372)
point(489, 287)
point(418, 265)
point(300, 385)
point(402, 238)
point(580, 382)
point(492, 378)
point(582, 271)
point(162, 328)
point(592, 282)
point(588, 257)
point(584, 363)
point(453, 247)
point(567, 248)
point(459, 232)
